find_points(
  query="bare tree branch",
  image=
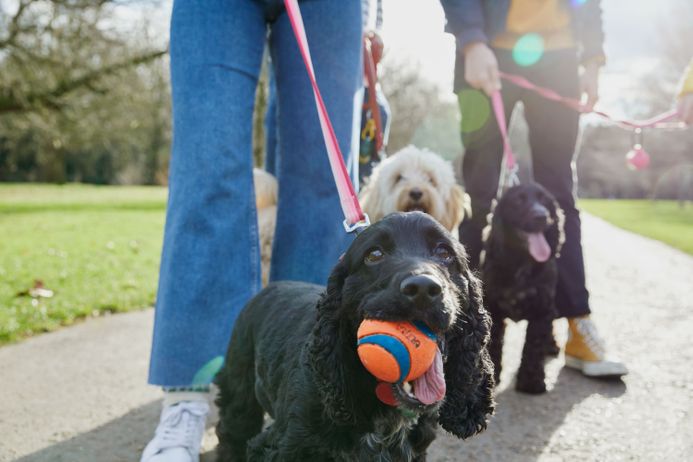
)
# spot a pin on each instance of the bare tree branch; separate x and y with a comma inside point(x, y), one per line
point(10, 102)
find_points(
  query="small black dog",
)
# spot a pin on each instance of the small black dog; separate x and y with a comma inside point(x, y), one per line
point(293, 354)
point(519, 273)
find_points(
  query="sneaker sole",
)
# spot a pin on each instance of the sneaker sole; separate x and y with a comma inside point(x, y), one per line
point(583, 367)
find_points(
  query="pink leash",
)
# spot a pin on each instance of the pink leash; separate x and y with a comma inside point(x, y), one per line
point(578, 106)
point(509, 170)
point(355, 219)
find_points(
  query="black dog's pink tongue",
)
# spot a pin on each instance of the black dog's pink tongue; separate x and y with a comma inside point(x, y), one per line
point(430, 387)
point(539, 249)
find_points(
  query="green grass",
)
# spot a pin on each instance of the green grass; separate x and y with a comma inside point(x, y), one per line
point(96, 247)
point(664, 221)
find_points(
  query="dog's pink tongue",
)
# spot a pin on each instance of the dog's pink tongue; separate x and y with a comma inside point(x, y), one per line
point(539, 249)
point(430, 387)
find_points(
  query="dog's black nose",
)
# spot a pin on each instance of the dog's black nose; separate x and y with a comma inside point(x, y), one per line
point(421, 288)
point(416, 194)
point(539, 216)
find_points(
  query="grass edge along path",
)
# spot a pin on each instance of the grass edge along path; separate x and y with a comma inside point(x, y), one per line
point(666, 221)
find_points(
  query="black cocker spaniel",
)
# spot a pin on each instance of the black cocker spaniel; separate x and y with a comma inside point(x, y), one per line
point(519, 272)
point(293, 354)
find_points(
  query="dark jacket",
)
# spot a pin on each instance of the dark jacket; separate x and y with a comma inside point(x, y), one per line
point(482, 20)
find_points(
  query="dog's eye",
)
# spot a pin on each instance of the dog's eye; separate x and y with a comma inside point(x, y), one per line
point(398, 178)
point(443, 253)
point(432, 181)
point(374, 256)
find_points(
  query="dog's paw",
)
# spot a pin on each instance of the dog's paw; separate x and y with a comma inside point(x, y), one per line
point(530, 386)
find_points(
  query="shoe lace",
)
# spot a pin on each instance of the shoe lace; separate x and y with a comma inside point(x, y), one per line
point(589, 333)
point(181, 427)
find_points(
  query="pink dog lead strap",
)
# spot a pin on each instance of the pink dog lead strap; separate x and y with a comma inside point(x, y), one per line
point(355, 218)
point(509, 172)
point(578, 106)
point(508, 176)
point(499, 112)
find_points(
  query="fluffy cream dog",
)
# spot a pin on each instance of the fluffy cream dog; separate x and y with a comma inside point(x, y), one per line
point(266, 201)
point(415, 179)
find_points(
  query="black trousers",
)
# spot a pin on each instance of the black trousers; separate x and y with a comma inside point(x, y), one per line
point(553, 131)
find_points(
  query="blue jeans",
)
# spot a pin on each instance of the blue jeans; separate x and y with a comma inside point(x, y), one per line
point(271, 155)
point(210, 264)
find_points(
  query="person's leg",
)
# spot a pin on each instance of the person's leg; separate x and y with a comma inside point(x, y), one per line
point(210, 264)
point(309, 235)
point(481, 162)
point(553, 130)
point(271, 145)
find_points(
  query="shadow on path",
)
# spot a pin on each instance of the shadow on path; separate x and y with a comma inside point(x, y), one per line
point(120, 440)
point(524, 425)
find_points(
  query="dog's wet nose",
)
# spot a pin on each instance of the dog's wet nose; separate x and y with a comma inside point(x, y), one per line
point(421, 288)
point(416, 194)
point(539, 216)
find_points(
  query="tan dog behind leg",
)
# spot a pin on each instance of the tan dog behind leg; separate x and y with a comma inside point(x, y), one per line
point(416, 179)
point(266, 191)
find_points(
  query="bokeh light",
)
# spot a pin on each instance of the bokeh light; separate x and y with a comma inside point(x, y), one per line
point(476, 110)
point(207, 372)
point(528, 50)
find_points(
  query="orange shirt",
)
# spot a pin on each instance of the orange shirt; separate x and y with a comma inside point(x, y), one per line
point(548, 18)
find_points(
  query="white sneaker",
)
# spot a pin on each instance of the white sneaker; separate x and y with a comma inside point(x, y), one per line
point(179, 435)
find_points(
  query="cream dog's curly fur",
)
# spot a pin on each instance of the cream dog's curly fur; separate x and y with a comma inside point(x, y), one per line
point(415, 179)
point(266, 191)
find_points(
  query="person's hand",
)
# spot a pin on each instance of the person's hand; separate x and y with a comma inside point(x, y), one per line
point(685, 108)
point(481, 68)
point(589, 85)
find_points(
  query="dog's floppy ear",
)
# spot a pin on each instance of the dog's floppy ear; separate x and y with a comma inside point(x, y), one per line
point(325, 354)
point(370, 198)
point(554, 234)
point(468, 369)
point(459, 205)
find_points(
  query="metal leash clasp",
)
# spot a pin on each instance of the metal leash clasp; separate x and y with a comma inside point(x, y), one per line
point(508, 178)
point(513, 178)
point(358, 226)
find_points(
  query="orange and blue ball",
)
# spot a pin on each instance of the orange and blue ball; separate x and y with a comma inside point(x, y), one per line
point(395, 352)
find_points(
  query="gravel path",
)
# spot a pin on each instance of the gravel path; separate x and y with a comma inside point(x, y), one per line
point(78, 394)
